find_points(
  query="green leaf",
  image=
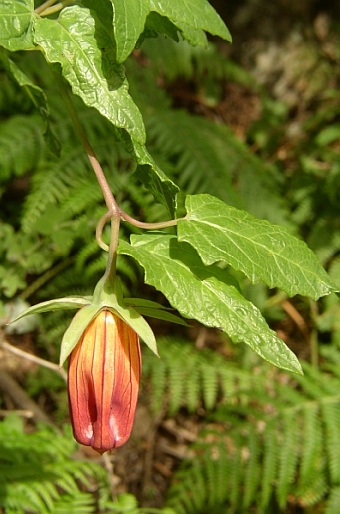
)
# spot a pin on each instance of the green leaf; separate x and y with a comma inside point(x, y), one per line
point(155, 25)
point(190, 16)
point(74, 332)
point(37, 96)
point(16, 24)
point(86, 51)
point(208, 294)
point(143, 302)
point(155, 180)
point(152, 177)
point(35, 93)
point(261, 250)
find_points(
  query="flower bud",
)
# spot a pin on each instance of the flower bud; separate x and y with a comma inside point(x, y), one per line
point(103, 382)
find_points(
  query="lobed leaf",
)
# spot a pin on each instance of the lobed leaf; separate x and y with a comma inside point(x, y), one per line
point(192, 17)
point(261, 250)
point(86, 51)
point(153, 178)
point(208, 294)
point(16, 24)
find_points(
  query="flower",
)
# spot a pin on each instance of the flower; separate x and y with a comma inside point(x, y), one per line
point(103, 382)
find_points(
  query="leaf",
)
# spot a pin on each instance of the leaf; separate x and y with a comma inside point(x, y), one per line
point(208, 294)
point(16, 24)
point(86, 51)
point(35, 93)
point(154, 179)
point(261, 250)
point(190, 16)
point(37, 96)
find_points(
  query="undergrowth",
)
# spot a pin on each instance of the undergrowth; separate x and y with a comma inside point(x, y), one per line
point(270, 440)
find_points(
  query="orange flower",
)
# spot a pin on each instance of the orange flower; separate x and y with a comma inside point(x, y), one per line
point(103, 382)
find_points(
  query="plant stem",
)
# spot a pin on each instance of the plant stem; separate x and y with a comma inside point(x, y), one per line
point(40, 281)
point(111, 204)
point(150, 226)
point(108, 196)
point(34, 358)
point(314, 346)
point(44, 6)
point(54, 8)
point(113, 210)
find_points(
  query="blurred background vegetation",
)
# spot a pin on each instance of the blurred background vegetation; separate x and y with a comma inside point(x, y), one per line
point(257, 124)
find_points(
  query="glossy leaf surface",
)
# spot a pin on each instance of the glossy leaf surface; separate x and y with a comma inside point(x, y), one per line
point(261, 250)
point(188, 15)
point(208, 294)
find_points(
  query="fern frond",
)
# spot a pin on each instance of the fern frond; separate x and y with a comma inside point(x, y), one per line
point(234, 489)
point(21, 145)
point(80, 503)
point(281, 445)
point(174, 60)
point(190, 377)
point(332, 506)
point(210, 380)
point(311, 457)
point(38, 475)
point(51, 183)
point(253, 469)
point(288, 456)
point(331, 419)
point(269, 466)
point(209, 157)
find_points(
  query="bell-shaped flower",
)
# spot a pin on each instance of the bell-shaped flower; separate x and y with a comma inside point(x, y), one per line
point(103, 382)
point(102, 345)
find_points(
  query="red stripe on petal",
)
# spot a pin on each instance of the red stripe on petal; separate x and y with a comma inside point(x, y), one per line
point(104, 376)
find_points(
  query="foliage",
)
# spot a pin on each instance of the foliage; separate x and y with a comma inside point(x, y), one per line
point(271, 438)
point(87, 43)
point(39, 475)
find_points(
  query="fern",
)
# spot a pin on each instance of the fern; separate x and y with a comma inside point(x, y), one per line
point(332, 506)
point(285, 449)
point(175, 60)
point(21, 145)
point(191, 378)
point(288, 455)
point(38, 474)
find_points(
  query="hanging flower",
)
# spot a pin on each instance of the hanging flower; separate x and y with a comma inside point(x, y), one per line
point(103, 382)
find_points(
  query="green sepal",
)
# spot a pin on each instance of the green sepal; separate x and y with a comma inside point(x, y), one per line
point(108, 294)
point(154, 310)
point(71, 302)
point(75, 330)
point(163, 315)
point(138, 324)
point(142, 302)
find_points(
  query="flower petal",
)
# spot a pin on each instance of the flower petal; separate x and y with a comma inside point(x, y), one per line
point(104, 376)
